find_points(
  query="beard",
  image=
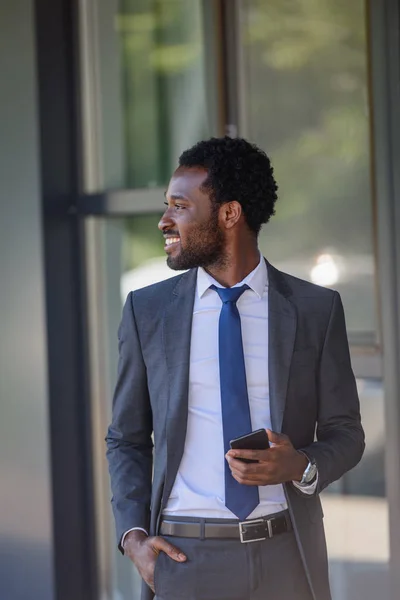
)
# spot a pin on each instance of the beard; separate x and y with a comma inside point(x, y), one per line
point(204, 247)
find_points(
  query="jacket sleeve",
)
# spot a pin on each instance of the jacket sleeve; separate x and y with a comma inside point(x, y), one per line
point(340, 436)
point(129, 437)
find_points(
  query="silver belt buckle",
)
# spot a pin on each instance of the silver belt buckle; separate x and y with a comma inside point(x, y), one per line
point(255, 521)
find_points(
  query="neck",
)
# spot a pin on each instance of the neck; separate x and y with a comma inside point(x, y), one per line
point(236, 266)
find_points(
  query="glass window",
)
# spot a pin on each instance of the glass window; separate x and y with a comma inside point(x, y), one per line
point(356, 512)
point(150, 90)
point(143, 258)
point(304, 100)
point(358, 554)
point(306, 104)
point(123, 255)
point(163, 76)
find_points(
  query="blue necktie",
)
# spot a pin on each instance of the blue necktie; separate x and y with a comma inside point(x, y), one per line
point(240, 499)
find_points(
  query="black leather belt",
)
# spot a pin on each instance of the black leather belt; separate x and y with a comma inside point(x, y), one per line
point(246, 531)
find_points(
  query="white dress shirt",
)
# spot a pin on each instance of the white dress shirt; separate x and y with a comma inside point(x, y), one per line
point(199, 487)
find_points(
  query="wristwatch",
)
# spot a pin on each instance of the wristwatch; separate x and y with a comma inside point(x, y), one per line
point(310, 470)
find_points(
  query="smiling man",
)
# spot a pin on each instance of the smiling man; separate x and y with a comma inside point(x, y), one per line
point(231, 346)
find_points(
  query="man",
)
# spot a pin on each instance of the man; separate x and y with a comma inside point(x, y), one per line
point(230, 346)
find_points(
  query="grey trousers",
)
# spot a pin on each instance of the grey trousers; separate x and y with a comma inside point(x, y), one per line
point(229, 570)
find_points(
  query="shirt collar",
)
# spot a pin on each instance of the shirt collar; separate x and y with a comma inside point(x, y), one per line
point(257, 280)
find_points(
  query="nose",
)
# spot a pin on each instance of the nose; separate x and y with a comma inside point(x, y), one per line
point(166, 221)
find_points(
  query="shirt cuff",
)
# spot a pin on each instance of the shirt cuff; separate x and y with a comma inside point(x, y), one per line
point(307, 488)
point(129, 530)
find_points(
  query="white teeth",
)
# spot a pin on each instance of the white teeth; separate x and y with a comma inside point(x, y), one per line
point(170, 241)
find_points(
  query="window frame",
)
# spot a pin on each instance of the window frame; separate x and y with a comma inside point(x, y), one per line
point(94, 201)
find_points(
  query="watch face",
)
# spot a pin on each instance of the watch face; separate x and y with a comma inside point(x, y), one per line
point(311, 471)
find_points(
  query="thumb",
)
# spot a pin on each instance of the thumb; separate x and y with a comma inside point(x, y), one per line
point(277, 438)
point(160, 544)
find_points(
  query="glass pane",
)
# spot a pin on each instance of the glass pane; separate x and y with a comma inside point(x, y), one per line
point(356, 512)
point(164, 85)
point(306, 104)
point(127, 254)
point(151, 91)
point(155, 76)
point(356, 508)
point(143, 255)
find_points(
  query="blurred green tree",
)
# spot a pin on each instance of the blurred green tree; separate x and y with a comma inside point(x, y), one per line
point(307, 105)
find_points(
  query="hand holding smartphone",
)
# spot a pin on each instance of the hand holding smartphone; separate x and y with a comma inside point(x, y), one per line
point(255, 440)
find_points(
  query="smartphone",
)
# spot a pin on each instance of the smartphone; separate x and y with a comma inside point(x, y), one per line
point(256, 440)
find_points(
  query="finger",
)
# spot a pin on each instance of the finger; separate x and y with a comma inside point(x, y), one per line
point(259, 455)
point(251, 471)
point(160, 544)
point(253, 477)
point(277, 438)
point(248, 480)
point(243, 467)
point(260, 479)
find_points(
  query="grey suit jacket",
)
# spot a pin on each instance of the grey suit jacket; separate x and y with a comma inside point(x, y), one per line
point(312, 390)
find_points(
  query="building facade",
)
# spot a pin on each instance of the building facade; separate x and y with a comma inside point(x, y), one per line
point(99, 98)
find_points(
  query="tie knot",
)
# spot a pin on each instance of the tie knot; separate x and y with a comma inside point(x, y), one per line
point(230, 294)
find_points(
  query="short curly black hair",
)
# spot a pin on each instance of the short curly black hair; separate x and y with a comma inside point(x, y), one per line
point(237, 170)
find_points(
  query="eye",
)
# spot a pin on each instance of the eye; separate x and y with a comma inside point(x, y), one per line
point(179, 207)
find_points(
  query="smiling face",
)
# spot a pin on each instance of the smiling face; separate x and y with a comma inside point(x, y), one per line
point(190, 224)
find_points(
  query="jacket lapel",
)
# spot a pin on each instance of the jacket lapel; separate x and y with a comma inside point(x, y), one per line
point(282, 322)
point(176, 336)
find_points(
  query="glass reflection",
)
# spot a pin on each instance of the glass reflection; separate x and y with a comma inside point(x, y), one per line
point(163, 85)
point(306, 81)
point(356, 512)
point(143, 254)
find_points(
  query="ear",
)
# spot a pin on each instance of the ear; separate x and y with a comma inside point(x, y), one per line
point(230, 214)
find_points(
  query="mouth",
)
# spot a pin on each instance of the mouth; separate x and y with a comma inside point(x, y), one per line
point(171, 243)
